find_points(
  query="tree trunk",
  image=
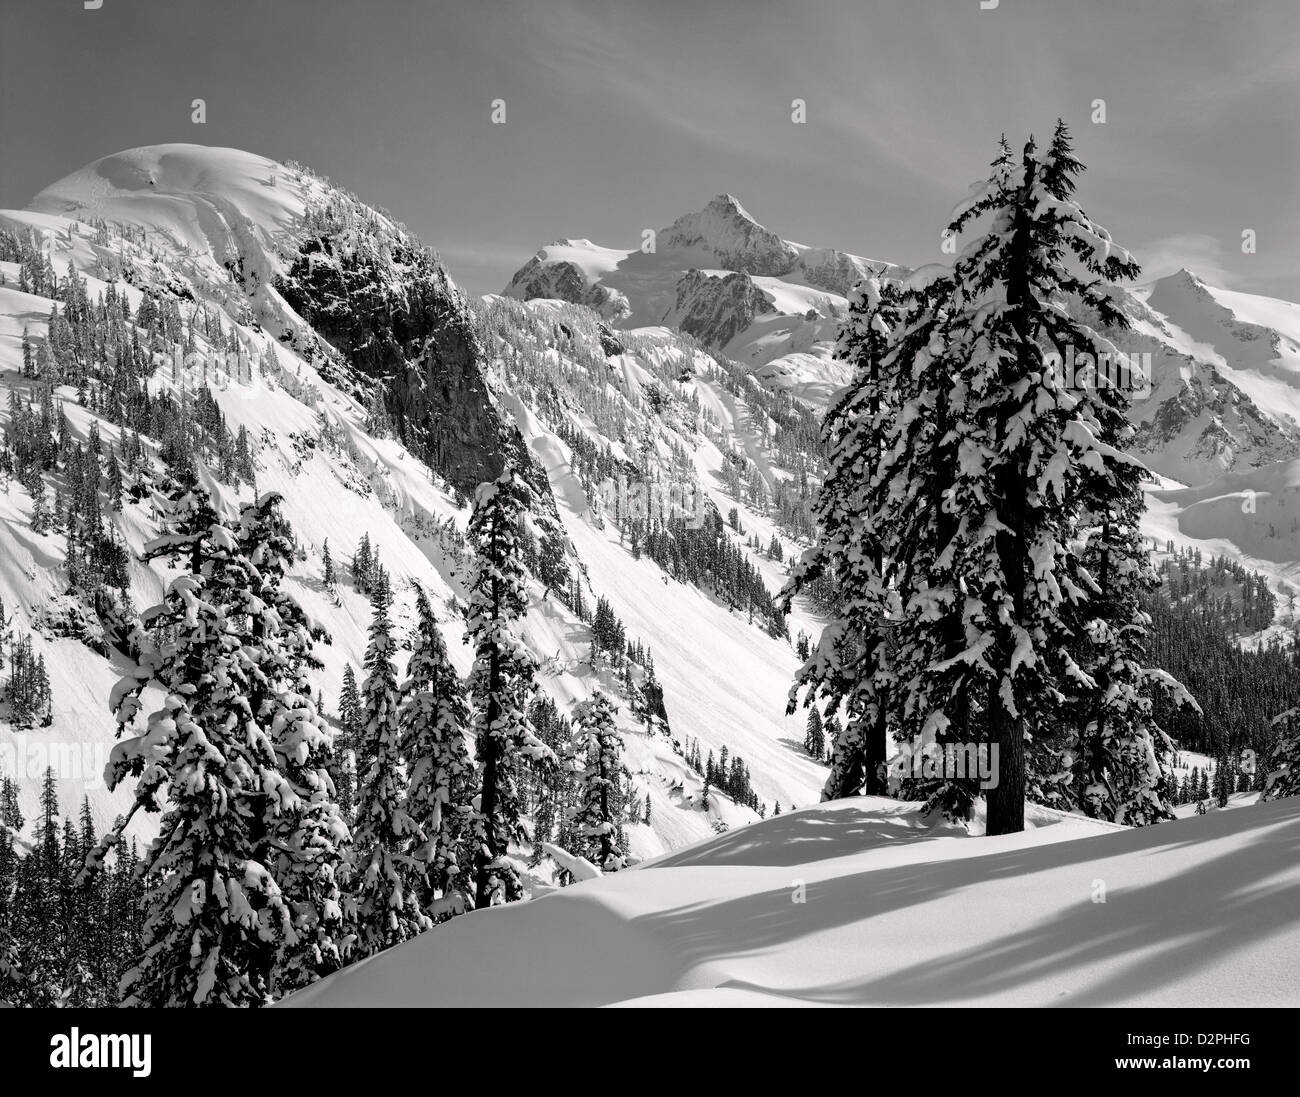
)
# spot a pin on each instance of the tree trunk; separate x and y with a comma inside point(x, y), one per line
point(490, 748)
point(1006, 799)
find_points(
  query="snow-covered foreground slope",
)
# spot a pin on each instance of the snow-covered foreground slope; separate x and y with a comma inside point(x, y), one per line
point(894, 912)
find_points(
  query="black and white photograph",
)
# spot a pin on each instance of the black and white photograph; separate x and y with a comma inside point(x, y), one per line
point(649, 503)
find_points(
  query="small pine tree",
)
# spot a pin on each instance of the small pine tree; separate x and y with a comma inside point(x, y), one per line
point(383, 878)
point(814, 740)
point(327, 565)
point(597, 820)
point(362, 562)
point(346, 743)
point(434, 719)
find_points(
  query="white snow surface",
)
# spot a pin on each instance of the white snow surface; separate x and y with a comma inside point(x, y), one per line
point(896, 910)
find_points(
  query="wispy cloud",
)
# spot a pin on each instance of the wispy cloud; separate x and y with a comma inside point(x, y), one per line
point(1198, 252)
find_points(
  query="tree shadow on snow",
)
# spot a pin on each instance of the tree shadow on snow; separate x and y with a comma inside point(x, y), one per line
point(1144, 936)
point(804, 837)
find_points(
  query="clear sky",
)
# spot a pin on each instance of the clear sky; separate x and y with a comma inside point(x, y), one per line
point(622, 115)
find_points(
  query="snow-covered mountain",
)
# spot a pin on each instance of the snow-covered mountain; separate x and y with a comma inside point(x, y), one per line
point(373, 395)
point(721, 277)
point(1224, 366)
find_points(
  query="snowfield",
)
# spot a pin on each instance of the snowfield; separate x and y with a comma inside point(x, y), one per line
point(863, 902)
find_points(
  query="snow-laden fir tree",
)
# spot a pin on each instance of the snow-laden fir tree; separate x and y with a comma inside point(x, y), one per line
point(1000, 581)
point(302, 835)
point(500, 683)
point(1055, 625)
point(963, 471)
point(327, 565)
point(383, 879)
point(12, 981)
point(345, 743)
point(597, 824)
point(434, 719)
point(213, 909)
point(1011, 496)
point(848, 669)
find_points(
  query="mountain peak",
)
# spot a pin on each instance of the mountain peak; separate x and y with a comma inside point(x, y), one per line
point(729, 205)
point(725, 230)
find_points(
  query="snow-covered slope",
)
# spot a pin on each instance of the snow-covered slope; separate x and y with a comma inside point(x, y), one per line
point(859, 902)
point(275, 259)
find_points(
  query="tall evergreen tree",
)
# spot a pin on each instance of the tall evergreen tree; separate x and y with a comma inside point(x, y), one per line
point(849, 667)
point(384, 884)
point(346, 743)
point(1121, 758)
point(434, 721)
point(500, 684)
point(213, 908)
point(970, 612)
point(301, 835)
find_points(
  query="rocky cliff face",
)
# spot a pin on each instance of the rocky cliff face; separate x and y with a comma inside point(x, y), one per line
point(565, 281)
point(403, 329)
point(837, 271)
point(716, 308)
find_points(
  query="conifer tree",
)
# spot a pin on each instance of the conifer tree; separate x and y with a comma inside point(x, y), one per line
point(362, 562)
point(302, 835)
point(500, 684)
point(434, 721)
point(213, 908)
point(964, 478)
point(1122, 769)
point(598, 818)
point(1283, 776)
point(384, 882)
point(12, 980)
point(345, 746)
point(850, 665)
point(814, 740)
